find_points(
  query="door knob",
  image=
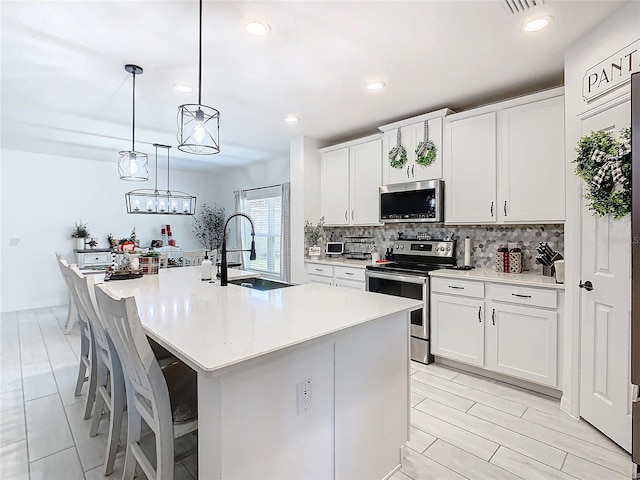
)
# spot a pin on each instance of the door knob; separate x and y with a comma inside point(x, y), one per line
point(588, 286)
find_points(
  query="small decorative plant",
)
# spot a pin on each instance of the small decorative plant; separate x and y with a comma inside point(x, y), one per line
point(80, 230)
point(313, 232)
point(208, 227)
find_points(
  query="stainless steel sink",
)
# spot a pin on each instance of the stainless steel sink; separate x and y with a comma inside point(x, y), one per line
point(260, 283)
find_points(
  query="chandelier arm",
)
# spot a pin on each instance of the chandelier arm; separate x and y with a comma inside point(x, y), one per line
point(156, 145)
point(168, 189)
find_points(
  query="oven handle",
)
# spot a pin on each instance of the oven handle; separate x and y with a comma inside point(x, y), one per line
point(397, 278)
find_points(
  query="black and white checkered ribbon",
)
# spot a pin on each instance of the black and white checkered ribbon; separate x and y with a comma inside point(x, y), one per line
point(611, 162)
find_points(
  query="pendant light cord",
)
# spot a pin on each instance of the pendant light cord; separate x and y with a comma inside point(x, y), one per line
point(133, 126)
point(156, 190)
point(200, 60)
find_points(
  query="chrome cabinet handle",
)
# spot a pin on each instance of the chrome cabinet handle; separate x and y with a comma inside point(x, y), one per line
point(493, 316)
point(457, 288)
point(479, 313)
point(345, 215)
point(492, 209)
point(352, 215)
point(319, 270)
point(349, 273)
point(407, 171)
point(412, 168)
point(505, 208)
point(521, 296)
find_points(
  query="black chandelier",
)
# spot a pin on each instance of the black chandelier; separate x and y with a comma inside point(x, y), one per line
point(153, 202)
point(199, 125)
point(132, 165)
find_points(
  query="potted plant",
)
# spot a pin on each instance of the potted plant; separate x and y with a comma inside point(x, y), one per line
point(313, 236)
point(80, 232)
point(208, 227)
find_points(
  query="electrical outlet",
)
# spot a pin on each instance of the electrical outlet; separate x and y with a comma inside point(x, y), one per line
point(303, 395)
point(14, 242)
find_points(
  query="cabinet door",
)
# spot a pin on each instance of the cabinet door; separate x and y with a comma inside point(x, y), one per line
point(392, 175)
point(523, 342)
point(470, 170)
point(366, 177)
point(433, 171)
point(457, 328)
point(334, 196)
point(356, 285)
point(531, 187)
point(319, 279)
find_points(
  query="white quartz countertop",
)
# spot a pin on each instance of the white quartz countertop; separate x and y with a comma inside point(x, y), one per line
point(486, 274)
point(213, 327)
point(340, 261)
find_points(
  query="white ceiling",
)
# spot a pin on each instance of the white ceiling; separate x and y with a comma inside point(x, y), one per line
point(65, 91)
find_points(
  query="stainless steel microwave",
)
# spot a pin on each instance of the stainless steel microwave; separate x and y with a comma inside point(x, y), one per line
point(412, 202)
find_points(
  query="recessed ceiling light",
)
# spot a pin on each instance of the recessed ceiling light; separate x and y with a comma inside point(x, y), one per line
point(291, 119)
point(375, 86)
point(258, 29)
point(536, 24)
point(183, 87)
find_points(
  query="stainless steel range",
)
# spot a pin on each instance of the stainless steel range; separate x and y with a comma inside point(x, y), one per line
point(408, 276)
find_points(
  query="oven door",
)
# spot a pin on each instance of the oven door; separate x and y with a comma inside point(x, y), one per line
point(407, 286)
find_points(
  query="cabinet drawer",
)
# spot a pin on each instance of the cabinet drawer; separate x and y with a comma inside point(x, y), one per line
point(350, 273)
point(319, 269)
point(454, 286)
point(96, 258)
point(319, 279)
point(524, 295)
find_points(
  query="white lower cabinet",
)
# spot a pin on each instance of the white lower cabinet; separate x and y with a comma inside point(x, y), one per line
point(522, 342)
point(457, 328)
point(512, 330)
point(338, 275)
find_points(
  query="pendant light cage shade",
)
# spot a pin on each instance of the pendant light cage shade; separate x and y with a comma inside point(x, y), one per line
point(150, 202)
point(133, 166)
point(198, 129)
point(160, 203)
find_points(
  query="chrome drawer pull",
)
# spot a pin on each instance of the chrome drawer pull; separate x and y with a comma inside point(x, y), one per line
point(493, 316)
point(479, 313)
point(457, 288)
point(319, 270)
point(349, 273)
point(521, 296)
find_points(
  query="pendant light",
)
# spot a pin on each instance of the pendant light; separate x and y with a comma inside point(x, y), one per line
point(132, 165)
point(199, 125)
point(153, 202)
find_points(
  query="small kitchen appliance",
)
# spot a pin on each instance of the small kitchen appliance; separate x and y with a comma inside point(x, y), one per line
point(408, 276)
point(334, 248)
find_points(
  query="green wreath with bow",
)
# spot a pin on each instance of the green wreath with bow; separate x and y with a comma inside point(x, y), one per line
point(426, 150)
point(604, 163)
point(398, 154)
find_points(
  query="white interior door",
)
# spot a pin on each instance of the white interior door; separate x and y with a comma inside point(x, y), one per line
point(605, 382)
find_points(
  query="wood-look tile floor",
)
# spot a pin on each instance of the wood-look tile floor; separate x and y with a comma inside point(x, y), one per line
point(467, 426)
point(462, 426)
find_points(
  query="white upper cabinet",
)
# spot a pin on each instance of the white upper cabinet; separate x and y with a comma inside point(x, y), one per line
point(334, 193)
point(532, 187)
point(412, 133)
point(504, 163)
point(470, 170)
point(351, 176)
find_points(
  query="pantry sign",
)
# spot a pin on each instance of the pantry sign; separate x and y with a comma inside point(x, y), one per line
point(612, 72)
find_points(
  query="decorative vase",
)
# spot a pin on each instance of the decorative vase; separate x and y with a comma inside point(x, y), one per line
point(314, 252)
point(80, 243)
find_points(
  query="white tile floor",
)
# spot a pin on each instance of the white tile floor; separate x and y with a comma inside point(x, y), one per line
point(463, 426)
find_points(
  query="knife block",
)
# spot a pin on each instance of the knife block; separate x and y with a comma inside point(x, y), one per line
point(549, 271)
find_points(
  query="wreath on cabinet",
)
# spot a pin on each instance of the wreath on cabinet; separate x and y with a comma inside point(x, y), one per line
point(604, 163)
point(426, 150)
point(398, 154)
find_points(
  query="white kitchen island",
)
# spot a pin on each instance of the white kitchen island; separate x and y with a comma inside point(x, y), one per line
point(253, 350)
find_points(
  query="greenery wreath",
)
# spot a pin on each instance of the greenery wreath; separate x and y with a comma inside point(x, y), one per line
point(604, 163)
point(398, 157)
point(426, 153)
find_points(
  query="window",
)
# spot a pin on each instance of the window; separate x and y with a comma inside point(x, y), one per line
point(265, 207)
